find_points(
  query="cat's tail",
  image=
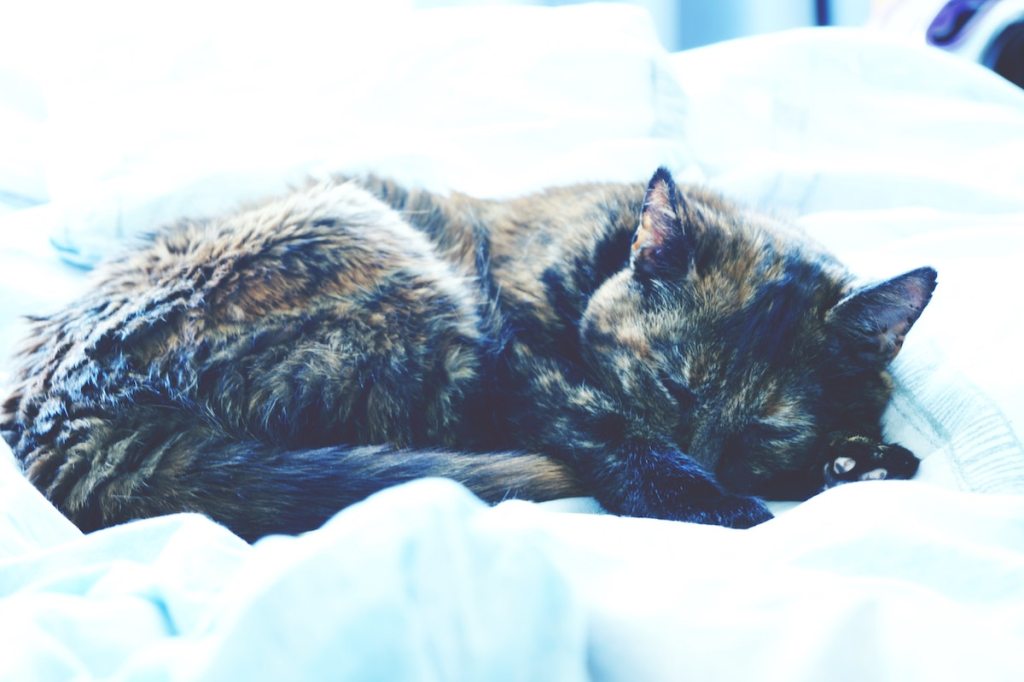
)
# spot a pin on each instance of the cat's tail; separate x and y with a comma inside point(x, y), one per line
point(260, 493)
point(256, 489)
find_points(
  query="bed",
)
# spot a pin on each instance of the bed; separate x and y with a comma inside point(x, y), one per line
point(893, 155)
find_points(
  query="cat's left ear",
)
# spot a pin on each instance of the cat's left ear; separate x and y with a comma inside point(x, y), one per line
point(875, 320)
point(661, 247)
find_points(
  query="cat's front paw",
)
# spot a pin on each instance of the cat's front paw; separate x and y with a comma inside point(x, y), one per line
point(734, 511)
point(746, 512)
point(858, 458)
point(715, 509)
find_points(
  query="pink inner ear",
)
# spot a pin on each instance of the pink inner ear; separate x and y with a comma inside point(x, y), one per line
point(651, 238)
point(659, 195)
point(657, 220)
point(659, 214)
point(660, 245)
point(649, 234)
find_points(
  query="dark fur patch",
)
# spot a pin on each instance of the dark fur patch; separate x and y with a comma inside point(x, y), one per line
point(769, 326)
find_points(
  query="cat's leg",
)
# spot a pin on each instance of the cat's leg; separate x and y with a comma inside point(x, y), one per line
point(648, 479)
point(629, 470)
point(862, 458)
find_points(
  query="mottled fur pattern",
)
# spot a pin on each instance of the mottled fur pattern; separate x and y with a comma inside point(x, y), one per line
point(269, 367)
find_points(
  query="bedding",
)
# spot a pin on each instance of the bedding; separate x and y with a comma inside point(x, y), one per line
point(893, 156)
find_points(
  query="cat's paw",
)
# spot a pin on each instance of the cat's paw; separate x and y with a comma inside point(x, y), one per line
point(715, 509)
point(858, 458)
point(739, 511)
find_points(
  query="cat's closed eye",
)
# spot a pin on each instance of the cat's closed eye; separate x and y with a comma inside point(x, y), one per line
point(770, 438)
point(770, 432)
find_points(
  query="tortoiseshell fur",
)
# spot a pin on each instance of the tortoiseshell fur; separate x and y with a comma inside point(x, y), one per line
point(270, 367)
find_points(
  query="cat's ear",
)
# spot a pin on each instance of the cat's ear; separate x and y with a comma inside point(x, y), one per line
point(661, 247)
point(874, 320)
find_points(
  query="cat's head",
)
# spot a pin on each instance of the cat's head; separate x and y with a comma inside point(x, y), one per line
point(744, 343)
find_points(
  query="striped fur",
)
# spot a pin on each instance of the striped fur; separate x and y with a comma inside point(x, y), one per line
point(656, 347)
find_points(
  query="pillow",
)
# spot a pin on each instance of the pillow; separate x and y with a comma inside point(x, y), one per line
point(196, 117)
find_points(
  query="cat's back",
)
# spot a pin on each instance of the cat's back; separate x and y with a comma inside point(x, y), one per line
point(314, 317)
point(324, 241)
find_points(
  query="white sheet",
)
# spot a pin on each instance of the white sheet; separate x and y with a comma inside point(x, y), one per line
point(884, 152)
point(867, 582)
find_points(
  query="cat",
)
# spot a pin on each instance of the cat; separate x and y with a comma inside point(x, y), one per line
point(657, 347)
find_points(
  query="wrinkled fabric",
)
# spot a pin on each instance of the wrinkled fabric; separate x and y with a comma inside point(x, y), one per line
point(871, 581)
point(892, 156)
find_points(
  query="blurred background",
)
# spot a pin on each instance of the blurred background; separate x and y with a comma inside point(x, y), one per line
point(692, 23)
point(987, 31)
point(60, 59)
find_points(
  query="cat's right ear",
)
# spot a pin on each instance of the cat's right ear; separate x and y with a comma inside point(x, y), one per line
point(873, 321)
point(661, 247)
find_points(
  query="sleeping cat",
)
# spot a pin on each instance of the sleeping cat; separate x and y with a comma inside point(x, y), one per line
point(657, 347)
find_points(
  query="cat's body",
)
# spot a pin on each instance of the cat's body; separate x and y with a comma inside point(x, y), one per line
point(270, 367)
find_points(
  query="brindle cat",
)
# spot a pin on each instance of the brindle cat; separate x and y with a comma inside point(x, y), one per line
point(270, 367)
